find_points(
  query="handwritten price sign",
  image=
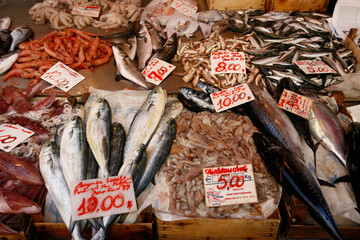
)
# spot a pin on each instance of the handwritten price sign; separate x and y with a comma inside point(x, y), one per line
point(227, 62)
point(89, 11)
point(295, 103)
point(62, 76)
point(102, 197)
point(157, 71)
point(231, 97)
point(229, 185)
point(184, 7)
point(12, 135)
point(314, 67)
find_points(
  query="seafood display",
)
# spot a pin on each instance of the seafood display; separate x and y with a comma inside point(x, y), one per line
point(113, 15)
point(77, 49)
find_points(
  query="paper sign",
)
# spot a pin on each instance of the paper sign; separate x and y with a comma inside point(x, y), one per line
point(314, 67)
point(12, 135)
point(102, 197)
point(62, 76)
point(229, 185)
point(157, 71)
point(227, 62)
point(231, 97)
point(295, 103)
point(89, 11)
point(354, 112)
point(184, 7)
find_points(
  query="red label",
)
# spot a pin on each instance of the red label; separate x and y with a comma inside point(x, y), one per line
point(12, 135)
point(227, 62)
point(184, 7)
point(157, 71)
point(314, 67)
point(295, 103)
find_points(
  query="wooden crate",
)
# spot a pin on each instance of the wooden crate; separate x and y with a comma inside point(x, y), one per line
point(297, 5)
point(243, 4)
point(206, 228)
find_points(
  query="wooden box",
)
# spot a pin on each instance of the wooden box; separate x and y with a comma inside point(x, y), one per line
point(207, 228)
point(297, 5)
point(237, 4)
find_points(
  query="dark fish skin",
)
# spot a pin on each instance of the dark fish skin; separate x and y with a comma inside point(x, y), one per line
point(353, 161)
point(293, 175)
point(208, 88)
point(118, 138)
point(140, 166)
point(93, 166)
point(168, 51)
point(189, 105)
point(5, 41)
point(20, 35)
point(199, 100)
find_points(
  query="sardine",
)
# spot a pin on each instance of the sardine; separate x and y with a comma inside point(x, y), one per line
point(127, 70)
point(20, 35)
point(73, 150)
point(144, 48)
point(117, 148)
point(294, 176)
point(7, 60)
point(168, 51)
point(5, 23)
point(156, 40)
point(5, 41)
point(98, 134)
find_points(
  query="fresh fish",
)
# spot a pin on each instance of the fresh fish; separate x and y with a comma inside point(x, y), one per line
point(5, 23)
point(142, 127)
point(294, 176)
point(144, 47)
point(122, 37)
point(129, 47)
point(208, 88)
point(56, 185)
point(156, 40)
point(117, 148)
point(127, 70)
point(352, 160)
point(160, 144)
point(73, 151)
point(326, 128)
point(98, 134)
point(168, 51)
point(5, 41)
point(220, 26)
point(20, 35)
point(14, 203)
point(7, 60)
point(199, 99)
point(93, 166)
point(139, 165)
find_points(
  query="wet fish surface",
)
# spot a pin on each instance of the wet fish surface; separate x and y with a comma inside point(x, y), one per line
point(20, 35)
point(7, 60)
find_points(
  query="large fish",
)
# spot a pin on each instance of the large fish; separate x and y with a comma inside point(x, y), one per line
point(127, 70)
point(14, 203)
point(19, 35)
point(168, 51)
point(7, 60)
point(156, 41)
point(56, 185)
point(118, 138)
point(98, 134)
point(326, 128)
point(73, 151)
point(144, 48)
point(293, 175)
point(353, 160)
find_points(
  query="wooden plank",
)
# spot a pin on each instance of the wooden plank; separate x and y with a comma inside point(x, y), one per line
point(298, 5)
point(19, 236)
point(244, 4)
point(315, 232)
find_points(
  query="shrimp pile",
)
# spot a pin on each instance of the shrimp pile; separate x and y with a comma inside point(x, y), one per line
point(112, 14)
point(205, 140)
point(75, 48)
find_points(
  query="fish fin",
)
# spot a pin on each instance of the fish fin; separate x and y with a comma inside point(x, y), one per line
point(325, 183)
point(314, 149)
point(71, 225)
point(345, 178)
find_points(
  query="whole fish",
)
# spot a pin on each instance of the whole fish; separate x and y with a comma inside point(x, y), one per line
point(168, 51)
point(129, 47)
point(199, 100)
point(156, 40)
point(294, 176)
point(352, 160)
point(118, 138)
point(73, 151)
point(326, 128)
point(5, 23)
point(144, 48)
point(7, 60)
point(14, 203)
point(5, 41)
point(50, 168)
point(127, 70)
point(98, 134)
point(20, 35)
point(142, 127)
point(208, 88)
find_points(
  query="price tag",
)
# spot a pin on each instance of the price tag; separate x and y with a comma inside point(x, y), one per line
point(62, 76)
point(184, 7)
point(229, 185)
point(227, 62)
point(157, 71)
point(102, 197)
point(295, 103)
point(314, 67)
point(12, 135)
point(89, 11)
point(231, 97)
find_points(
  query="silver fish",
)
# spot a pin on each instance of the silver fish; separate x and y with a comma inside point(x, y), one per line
point(156, 41)
point(98, 134)
point(144, 48)
point(5, 23)
point(20, 35)
point(127, 70)
point(129, 47)
point(168, 51)
point(50, 169)
point(7, 60)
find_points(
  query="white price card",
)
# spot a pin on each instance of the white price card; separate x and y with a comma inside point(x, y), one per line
point(314, 67)
point(157, 71)
point(231, 97)
point(12, 135)
point(102, 197)
point(62, 76)
point(227, 62)
point(295, 103)
point(89, 11)
point(229, 185)
point(184, 7)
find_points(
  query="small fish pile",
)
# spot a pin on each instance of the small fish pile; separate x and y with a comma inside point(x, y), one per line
point(113, 15)
point(206, 140)
point(75, 48)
